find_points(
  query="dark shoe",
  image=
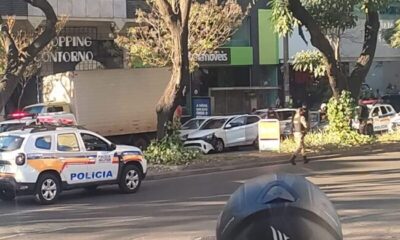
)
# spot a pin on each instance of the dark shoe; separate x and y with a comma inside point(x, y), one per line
point(305, 159)
point(292, 160)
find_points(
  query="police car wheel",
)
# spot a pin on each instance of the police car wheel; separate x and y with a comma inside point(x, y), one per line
point(7, 195)
point(130, 179)
point(47, 189)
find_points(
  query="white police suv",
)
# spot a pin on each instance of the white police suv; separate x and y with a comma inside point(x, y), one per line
point(44, 161)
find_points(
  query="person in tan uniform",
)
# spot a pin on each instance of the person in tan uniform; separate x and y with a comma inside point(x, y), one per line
point(300, 128)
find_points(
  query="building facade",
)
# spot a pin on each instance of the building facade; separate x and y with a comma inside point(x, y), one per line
point(238, 77)
point(383, 72)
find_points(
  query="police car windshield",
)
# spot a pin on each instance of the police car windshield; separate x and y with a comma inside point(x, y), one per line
point(10, 143)
point(34, 110)
point(192, 124)
point(214, 123)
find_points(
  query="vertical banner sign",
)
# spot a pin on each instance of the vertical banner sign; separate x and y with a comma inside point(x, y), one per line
point(269, 135)
point(201, 106)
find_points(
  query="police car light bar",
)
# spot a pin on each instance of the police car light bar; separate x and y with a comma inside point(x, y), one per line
point(19, 115)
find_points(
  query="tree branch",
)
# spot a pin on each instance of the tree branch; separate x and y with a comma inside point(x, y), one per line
point(10, 48)
point(46, 36)
point(367, 55)
point(167, 12)
point(318, 40)
point(185, 9)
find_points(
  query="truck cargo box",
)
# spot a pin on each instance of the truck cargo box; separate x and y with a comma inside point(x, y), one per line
point(110, 102)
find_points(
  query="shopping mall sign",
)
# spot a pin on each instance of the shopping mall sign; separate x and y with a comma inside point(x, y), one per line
point(219, 56)
point(70, 49)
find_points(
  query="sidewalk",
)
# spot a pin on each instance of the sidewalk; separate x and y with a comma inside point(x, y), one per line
point(248, 159)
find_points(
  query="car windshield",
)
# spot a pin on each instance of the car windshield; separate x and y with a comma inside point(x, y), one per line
point(34, 110)
point(192, 124)
point(11, 126)
point(10, 143)
point(214, 123)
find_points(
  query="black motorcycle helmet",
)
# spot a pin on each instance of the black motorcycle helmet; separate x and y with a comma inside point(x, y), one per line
point(279, 207)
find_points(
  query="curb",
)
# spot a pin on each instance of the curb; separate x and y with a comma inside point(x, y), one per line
point(269, 161)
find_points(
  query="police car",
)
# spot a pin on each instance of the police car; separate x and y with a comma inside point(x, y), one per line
point(45, 160)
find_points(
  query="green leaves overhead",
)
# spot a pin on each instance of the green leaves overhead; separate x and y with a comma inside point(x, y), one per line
point(330, 15)
point(282, 17)
point(310, 61)
point(211, 24)
point(393, 36)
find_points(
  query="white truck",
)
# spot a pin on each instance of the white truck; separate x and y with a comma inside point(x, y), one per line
point(118, 104)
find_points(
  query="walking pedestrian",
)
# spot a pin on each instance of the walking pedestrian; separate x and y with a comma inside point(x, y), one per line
point(300, 127)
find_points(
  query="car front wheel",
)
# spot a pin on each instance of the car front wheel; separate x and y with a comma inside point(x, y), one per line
point(219, 146)
point(47, 189)
point(130, 180)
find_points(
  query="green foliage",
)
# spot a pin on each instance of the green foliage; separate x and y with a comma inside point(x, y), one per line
point(282, 17)
point(310, 61)
point(170, 150)
point(211, 24)
point(331, 15)
point(393, 35)
point(329, 140)
point(389, 137)
point(340, 112)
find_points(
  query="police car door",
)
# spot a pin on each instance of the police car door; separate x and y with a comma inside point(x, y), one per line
point(102, 166)
point(376, 114)
point(70, 154)
point(385, 118)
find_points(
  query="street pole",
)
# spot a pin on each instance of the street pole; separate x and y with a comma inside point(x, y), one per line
point(286, 71)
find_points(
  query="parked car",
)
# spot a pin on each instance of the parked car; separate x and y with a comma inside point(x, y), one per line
point(219, 133)
point(284, 115)
point(192, 125)
point(374, 118)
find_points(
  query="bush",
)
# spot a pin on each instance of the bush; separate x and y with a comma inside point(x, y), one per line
point(327, 140)
point(170, 150)
point(340, 112)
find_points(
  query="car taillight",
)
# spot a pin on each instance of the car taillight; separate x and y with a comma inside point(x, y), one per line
point(20, 159)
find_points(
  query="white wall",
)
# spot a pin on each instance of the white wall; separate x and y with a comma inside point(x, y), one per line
point(85, 8)
point(382, 73)
point(353, 39)
point(296, 43)
point(351, 44)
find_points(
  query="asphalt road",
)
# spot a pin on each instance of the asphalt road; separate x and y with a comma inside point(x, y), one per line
point(365, 190)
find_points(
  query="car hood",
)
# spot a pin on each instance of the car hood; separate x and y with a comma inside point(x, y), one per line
point(126, 148)
point(187, 131)
point(202, 133)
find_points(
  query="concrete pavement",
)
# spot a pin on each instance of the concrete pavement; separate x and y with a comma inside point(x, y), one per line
point(364, 188)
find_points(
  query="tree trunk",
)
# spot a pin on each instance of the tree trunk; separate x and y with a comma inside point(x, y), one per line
point(174, 93)
point(337, 79)
point(176, 17)
point(17, 61)
point(367, 55)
